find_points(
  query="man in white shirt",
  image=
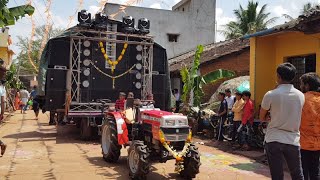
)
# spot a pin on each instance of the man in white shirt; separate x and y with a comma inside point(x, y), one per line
point(24, 95)
point(230, 99)
point(283, 136)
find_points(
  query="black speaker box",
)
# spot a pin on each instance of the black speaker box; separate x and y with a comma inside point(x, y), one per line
point(56, 79)
point(55, 99)
point(59, 53)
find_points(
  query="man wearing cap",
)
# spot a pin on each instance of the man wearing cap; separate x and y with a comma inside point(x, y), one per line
point(120, 102)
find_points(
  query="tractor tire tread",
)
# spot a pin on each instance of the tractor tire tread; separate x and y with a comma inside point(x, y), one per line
point(191, 164)
point(113, 155)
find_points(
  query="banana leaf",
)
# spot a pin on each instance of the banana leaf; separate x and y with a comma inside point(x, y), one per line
point(8, 16)
point(217, 75)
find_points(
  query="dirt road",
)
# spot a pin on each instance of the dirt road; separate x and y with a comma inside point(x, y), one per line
point(36, 151)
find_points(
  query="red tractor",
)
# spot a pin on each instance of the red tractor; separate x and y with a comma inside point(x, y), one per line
point(153, 135)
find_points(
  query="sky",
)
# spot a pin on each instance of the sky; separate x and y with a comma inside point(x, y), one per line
point(61, 10)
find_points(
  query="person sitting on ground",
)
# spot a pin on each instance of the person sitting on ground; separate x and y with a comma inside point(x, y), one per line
point(120, 102)
point(237, 109)
point(247, 119)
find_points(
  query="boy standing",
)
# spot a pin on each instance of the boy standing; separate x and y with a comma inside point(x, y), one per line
point(247, 118)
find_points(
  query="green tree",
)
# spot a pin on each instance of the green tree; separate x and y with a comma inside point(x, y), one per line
point(193, 81)
point(248, 21)
point(23, 43)
point(8, 16)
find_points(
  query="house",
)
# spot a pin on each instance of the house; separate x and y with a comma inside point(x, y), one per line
point(297, 42)
point(190, 22)
point(230, 55)
point(5, 52)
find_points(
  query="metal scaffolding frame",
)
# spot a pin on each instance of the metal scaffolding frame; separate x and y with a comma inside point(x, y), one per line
point(78, 36)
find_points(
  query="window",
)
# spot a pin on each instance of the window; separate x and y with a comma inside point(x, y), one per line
point(304, 64)
point(173, 37)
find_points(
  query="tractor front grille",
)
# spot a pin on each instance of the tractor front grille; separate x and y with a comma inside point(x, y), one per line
point(176, 137)
point(176, 134)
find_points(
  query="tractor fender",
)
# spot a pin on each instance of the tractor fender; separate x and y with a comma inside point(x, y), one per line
point(122, 129)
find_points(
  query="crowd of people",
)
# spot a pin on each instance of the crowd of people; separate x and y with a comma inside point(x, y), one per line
point(293, 116)
point(240, 110)
point(293, 131)
point(25, 100)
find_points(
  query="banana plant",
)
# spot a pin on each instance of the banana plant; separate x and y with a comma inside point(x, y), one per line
point(194, 82)
point(8, 16)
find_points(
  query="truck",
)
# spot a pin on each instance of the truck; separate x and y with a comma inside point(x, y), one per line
point(95, 60)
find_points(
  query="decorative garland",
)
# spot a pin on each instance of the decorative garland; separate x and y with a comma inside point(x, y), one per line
point(112, 77)
point(175, 154)
point(110, 62)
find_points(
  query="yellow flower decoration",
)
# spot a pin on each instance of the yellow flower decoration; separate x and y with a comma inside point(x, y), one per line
point(110, 62)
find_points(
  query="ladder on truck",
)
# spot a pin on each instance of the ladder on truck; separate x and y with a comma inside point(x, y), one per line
point(111, 47)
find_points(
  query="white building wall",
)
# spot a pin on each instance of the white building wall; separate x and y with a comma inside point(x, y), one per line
point(194, 27)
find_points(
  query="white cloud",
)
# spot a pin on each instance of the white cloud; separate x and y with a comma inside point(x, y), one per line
point(222, 20)
point(279, 11)
point(156, 6)
point(93, 9)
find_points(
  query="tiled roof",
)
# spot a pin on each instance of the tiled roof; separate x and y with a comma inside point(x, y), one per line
point(211, 52)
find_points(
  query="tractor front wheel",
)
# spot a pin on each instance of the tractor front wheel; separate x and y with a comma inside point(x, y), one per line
point(138, 160)
point(191, 163)
point(109, 141)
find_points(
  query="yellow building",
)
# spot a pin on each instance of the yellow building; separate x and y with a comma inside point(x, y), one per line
point(297, 42)
point(5, 52)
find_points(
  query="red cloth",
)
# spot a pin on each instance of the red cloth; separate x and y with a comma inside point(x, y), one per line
point(120, 104)
point(248, 112)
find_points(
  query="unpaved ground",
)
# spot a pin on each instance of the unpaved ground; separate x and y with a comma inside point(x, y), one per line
point(36, 151)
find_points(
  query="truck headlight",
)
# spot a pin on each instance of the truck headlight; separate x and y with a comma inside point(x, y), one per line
point(170, 122)
point(182, 122)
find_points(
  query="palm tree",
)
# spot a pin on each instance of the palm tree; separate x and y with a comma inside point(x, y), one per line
point(248, 20)
point(306, 7)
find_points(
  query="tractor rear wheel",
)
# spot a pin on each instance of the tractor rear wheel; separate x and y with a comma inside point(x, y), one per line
point(109, 141)
point(85, 129)
point(138, 160)
point(191, 164)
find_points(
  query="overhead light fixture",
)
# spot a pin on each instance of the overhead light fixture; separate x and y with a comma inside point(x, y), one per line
point(84, 18)
point(101, 21)
point(144, 26)
point(128, 24)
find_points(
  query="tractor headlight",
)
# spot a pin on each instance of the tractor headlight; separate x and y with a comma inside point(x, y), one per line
point(182, 122)
point(170, 122)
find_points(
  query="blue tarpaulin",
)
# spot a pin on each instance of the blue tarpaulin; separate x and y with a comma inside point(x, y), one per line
point(245, 86)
